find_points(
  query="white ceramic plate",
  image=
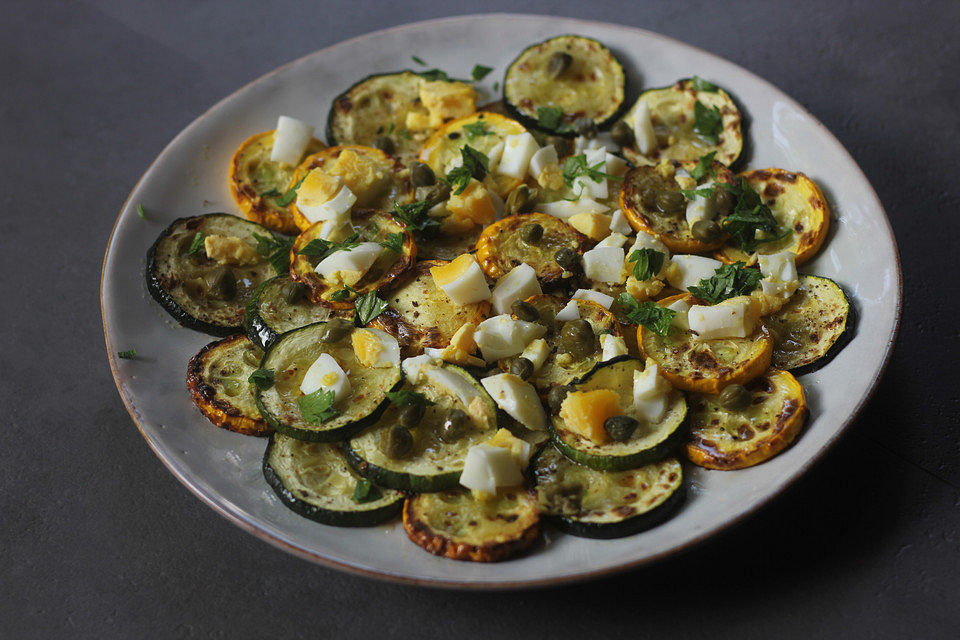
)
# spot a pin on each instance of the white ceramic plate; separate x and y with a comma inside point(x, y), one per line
point(223, 468)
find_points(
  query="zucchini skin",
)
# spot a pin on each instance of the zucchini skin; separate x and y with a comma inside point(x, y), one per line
point(257, 330)
point(533, 123)
point(628, 527)
point(619, 463)
point(849, 331)
point(325, 516)
point(331, 112)
point(409, 482)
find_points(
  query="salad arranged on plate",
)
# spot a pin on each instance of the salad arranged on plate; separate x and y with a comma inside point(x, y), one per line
point(482, 318)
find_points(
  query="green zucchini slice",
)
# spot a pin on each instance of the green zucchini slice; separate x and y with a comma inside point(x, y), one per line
point(218, 382)
point(563, 366)
point(277, 306)
point(291, 356)
point(460, 526)
point(199, 293)
point(812, 327)
point(591, 86)
point(649, 443)
point(432, 465)
point(595, 504)
point(673, 114)
point(314, 480)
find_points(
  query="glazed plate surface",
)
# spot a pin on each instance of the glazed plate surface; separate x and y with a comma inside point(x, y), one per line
point(223, 468)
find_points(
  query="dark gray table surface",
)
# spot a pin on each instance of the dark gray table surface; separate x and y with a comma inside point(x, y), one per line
point(97, 538)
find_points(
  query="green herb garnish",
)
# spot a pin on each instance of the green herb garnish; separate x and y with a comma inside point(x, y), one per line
point(749, 216)
point(366, 491)
point(276, 251)
point(432, 75)
point(406, 398)
point(551, 119)
point(704, 167)
point(649, 314)
point(320, 248)
point(414, 216)
point(647, 263)
point(368, 307)
point(394, 242)
point(703, 85)
point(263, 378)
point(403, 133)
point(317, 407)
point(197, 243)
point(129, 354)
point(729, 281)
point(390, 128)
point(708, 122)
point(706, 192)
point(496, 86)
point(480, 72)
point(342, 294)
point(141, 212)
point(291, 193)
point(474, 165)
point(576, 166)
point(475, 130)
point(418, 60)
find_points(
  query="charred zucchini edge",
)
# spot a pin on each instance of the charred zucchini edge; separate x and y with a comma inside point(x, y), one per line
point(849, 332)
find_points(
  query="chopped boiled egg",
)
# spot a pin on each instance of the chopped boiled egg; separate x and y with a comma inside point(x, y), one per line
point(503, 336)
point(324, 197)
point(687, 270)
point(519, 284)
point(325, 373)
point(521, 450)
point(413, 367)
point(651, 392)
point(229, 250)
point(604, 264)
point(461, 348)
point(375, 348)
point(680, 309)
point(474, 203)
point(612, 346)
point(646, 240)
point(487, 467)
point(701, 208)
point(585, 185)
point(643, 128)
point(462, 280)
point(566, 208)
point(347, 267)
point(733, 318)
point(779, 267)
point(518, 399)
point(363, 173)
point(290, 140)
point(619, 224)
point(538, 350)
point(584, 412)
point(613, 240)
point(544, 157)
point(493, 157)
point(595, 226)
point(445, 100)
point(590, 295)
point(569, 312)
point(518, 149)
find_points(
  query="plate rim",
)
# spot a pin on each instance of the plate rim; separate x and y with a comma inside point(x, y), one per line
point(387, 576)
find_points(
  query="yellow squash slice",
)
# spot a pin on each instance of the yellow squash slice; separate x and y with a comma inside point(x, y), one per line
point(501, 248)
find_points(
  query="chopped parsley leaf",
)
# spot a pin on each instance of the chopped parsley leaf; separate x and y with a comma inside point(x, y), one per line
point(141, 212)
point(368, 307)
point(750, 216)
point(649, 314)
point(704, 167)
point(291, 193)
point(418, 60)
point(729, 281)
point(342, 294)
point(406, 398)
point(129, 354)
point(197, 245)
point(366, 491)
point(647, 263)
point(708, 122)
point(703, 85)
point(475, 130)
point(263, 378)
point(394, 242)
point(551, 119)
point(576, 166)
point(414, 216)
point(276, 251)
point(320, 248)
point(317, 407)
point(480, 72)
point(474, 165)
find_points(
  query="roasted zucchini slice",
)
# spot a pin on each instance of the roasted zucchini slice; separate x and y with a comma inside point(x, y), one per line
point(577, 75)
point(501, 247)
point(482, 131)
point(291, 356)
point(256, 182)
point(314, 480)
point(420, 315)
point(376, 179)
point(567, 362)
point(734, 439)
point(197, 291)
point(673, 115)
point(646, 194)
point(812, 327)
point(371, 226)
point(648, 443)
point(277, 306)
point(797, 204)
point(217, 381)
point(431, 464)
point(706, 365)
point(456, 525)
point(599, 504)
point(378, 106)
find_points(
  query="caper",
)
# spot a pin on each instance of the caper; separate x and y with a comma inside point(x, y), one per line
point(397, 443)
point(585, 127)
point(294, 292)
point(706, 231)
point(522, 368)
point(558, 63)
point(622, 134)
point(670, 201)
point(454, 426)
point(577, 329)
point(520, 200)
point(252, 356)
point(648, 196)
point(525, 311)
point(439, 193)
point(723, 200)
point(562, 145)
point(531, 233)
point(620, 428)
point(577, 338)
point(230, 386)
point(411, 414)
point(222, 285)
point(556, 396)
point(422, 175)
point(336, 330)
point(568, 259)
point(385, 144)
point(735, 397)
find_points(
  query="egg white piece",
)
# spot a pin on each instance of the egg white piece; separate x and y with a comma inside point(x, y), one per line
point(327, 374)
point(290, 140)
